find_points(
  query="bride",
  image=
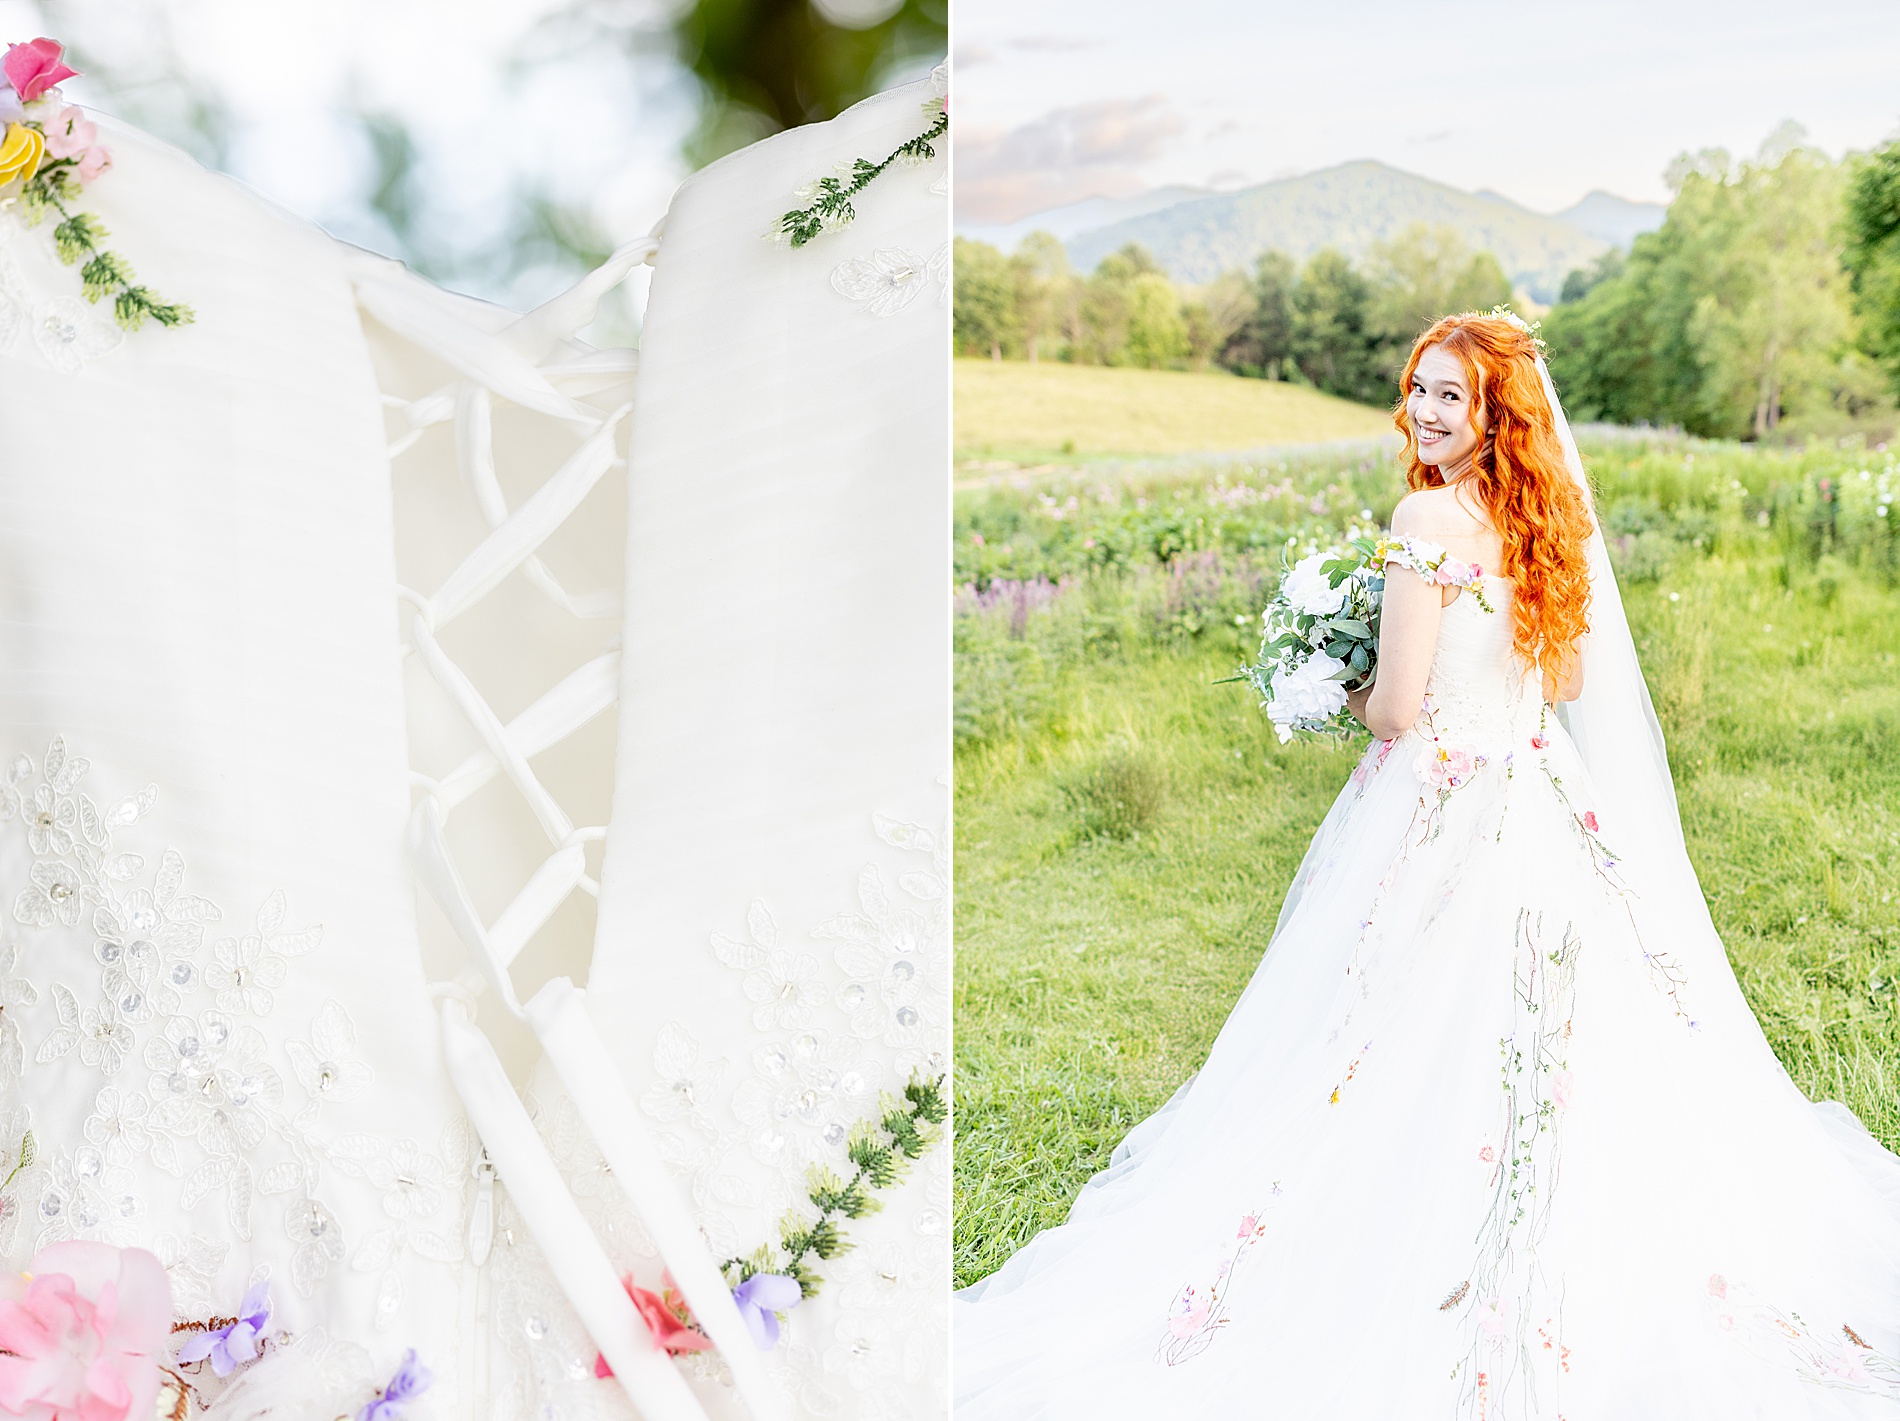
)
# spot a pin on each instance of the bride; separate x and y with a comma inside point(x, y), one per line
point(1492, 1133)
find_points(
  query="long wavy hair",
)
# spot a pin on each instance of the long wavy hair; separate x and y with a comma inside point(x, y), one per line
point(1520, 477)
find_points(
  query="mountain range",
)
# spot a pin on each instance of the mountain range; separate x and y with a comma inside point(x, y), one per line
point(1196, 235)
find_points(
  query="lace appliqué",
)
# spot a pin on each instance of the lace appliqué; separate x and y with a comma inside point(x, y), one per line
point(68, 333)
point(888, 280)
point(835, 1036)
point(188, 1082)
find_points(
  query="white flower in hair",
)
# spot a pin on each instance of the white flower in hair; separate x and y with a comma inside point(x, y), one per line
point(1510, 317)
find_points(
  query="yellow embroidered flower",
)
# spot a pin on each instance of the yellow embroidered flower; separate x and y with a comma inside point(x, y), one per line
point(20, 152)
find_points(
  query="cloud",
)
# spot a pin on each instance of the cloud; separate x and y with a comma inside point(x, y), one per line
point(1054, 44)
point(1090, 150)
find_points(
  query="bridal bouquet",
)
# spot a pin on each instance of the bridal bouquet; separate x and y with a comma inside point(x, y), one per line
point(1320, 633)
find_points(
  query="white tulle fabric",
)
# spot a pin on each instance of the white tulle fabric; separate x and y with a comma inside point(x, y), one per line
point(1492, 1132)
point(249, 687)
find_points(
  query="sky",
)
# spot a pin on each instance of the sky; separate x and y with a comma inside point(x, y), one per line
point(1057, 100)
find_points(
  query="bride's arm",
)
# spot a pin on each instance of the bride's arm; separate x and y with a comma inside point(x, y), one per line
point(1408, 633)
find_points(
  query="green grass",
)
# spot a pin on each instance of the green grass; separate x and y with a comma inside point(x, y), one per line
point(1097, 956)
point(1021, 412)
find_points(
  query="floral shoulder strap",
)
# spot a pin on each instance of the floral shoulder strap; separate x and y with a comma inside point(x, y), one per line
point(1432, 563)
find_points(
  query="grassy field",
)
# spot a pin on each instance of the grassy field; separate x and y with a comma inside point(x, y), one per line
point(1125, 829)
point(1014, 410)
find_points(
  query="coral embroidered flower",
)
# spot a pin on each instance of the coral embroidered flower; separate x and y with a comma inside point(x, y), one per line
point(1590, 820)
point(1540, 741)
point(35, 67)
point(667, 1318)
point(231, 1346)
point(81, 1333)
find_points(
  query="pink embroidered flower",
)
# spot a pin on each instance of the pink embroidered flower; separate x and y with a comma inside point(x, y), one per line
point(1487, 1154)
point(68, 134)
point(1718, 1286)
point(1560, 1089)
point(36, 66)
point(667, 1318)
point(1188, 1313)
point(1491, 1319)
point(1246, 1226)
point(82, 1332)
point(1447, 769)
point(1590, 820)
point(1540, 742)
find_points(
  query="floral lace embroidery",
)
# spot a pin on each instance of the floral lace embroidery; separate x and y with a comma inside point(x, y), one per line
point(890, 278)
point(1513, 1312)
point(212, 1109)
point(835, 1036)
point(68, 333)
point(1845, 1363)
point(1197, 1314)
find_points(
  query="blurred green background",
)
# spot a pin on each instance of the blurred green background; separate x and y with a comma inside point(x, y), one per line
point(499, 149)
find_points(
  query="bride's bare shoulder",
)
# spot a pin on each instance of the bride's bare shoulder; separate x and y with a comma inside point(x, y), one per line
point(1437, 515)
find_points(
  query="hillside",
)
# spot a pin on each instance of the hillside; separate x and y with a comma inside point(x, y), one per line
point(1076, 217)
point(1021, 411)
point(1349, 207)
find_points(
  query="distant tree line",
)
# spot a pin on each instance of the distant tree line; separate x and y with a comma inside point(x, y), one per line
point(1342, 327)
point(1768, 302)
point(1767, 305)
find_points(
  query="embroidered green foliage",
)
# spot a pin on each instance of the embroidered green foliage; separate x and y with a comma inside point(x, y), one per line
point(879, 1151)
point(77, 240)
point(29, 1152)
point(830, 204)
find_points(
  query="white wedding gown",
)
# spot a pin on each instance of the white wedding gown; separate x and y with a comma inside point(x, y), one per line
point(1491, 1134)
point(323, 594)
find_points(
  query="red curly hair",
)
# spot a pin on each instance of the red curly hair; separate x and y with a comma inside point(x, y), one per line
point(1520, 476)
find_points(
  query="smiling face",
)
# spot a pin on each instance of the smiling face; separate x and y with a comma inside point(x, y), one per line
point(1447, 425)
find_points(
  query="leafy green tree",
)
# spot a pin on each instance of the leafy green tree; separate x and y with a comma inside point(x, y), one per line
point(1731, 318)
point(1425, 273)
point(1872, 255)
point(1157, 334)
point(982, 313)
point(1215, 315)
point(1041, 286)
point(1335, 343)
point(1584, 279)
point(1107, 305)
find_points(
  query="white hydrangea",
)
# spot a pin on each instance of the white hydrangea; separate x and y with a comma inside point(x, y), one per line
point(1305, 693)
point(1310, 590)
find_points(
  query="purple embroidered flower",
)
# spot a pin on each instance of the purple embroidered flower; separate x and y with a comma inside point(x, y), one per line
point(410, 1381)
point(761, 1298)
point(231, 1346)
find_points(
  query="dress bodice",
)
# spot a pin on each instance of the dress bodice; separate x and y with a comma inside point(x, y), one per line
point(1480, 692)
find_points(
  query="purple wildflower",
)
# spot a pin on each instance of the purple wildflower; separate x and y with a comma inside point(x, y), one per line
point(392, 1403)
point(231, 1346)
point(761, 1298)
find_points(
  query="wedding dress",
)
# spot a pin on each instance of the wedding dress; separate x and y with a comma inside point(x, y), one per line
point(1491, 1133)
point(256, 680)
